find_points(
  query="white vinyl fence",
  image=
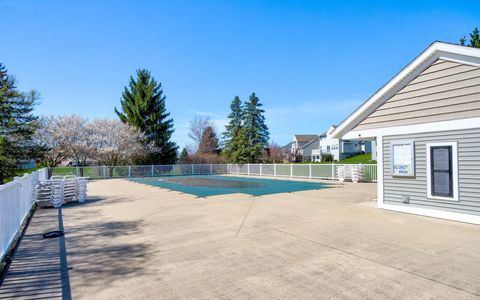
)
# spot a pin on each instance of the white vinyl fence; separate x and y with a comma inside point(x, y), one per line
point(16, 201)
point(311, 171)
point(314, 171)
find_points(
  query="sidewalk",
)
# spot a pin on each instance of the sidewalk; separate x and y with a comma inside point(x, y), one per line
point(39, 265)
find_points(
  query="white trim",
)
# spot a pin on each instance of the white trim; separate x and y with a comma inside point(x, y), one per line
point(460, 61)
point(418, 65)
point(433, 213)
point(411, 143)
point(379, 171)
point(454, 170)
point(417, 128)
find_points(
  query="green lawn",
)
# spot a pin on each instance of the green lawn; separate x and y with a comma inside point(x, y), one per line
point(359, 159)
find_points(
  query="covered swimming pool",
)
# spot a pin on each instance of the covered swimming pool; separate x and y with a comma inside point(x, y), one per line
point(210, 185)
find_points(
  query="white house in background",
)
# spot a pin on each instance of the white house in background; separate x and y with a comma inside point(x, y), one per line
point(340, 148)
point(302, 145)
point(426, 123)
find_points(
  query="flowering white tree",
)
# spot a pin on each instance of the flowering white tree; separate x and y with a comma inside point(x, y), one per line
point(52, 138)
point(116, 143)
point(64, 137)
point(78, 136)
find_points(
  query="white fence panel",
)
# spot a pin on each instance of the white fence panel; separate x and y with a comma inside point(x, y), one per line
point(16, 201)
point(268, 170)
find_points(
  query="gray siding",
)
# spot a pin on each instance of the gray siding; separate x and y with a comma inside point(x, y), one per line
point(468, 172)
point(444, 91)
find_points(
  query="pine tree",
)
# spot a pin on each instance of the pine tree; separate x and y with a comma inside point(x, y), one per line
point(474, 39)
point(143, 106)
point(255, 129)
point(240, 148)
point(17, 125)
point(235, 116)
point(209, 142)
point(233, 131)
point(183, 156)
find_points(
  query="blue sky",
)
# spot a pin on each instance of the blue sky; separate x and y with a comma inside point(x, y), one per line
point(310, 62)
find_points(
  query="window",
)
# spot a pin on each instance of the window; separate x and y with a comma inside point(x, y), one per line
point(442, 173)
point(403, 158)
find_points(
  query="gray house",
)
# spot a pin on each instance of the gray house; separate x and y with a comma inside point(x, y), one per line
point(426, 124)
point(302, 146)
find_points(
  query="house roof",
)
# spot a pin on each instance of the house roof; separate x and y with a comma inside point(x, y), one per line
point(435, 51)
point(305, 137)
point(309, 143)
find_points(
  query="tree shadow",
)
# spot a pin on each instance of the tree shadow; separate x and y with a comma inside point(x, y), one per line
point(97, 254)
point(39, 269)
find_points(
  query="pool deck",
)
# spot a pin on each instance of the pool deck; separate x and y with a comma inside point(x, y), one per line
point(132, 241)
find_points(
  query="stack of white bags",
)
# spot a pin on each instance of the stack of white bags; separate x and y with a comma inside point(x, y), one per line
point(59, 190)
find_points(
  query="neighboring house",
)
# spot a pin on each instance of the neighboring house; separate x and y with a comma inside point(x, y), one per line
point(308, 150)
point(426, 123)
point(301, 146)
point(340, 148)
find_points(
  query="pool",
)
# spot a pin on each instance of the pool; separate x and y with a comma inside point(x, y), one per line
point(210, 185)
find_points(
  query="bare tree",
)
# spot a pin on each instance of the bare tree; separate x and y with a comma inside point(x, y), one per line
point(274, 153)
point(197, 127)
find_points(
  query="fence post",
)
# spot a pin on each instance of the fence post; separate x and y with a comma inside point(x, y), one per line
point(129, 171)
point(261, 165)
point(274, 170)
point(104, 172)
point(248, 169)
point(152, 170)
point(76, 171)
point(310, 171)
point(333, 171)
point(291, 170)
point(211, 169)
point(193, 169)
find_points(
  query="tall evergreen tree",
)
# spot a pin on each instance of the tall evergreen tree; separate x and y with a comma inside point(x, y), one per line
point(17, 125)
point(240, 148)
point(234, 138)
point(183, 156)
point(474, 39)
point(255, 128)
point(209, 142)
point(143, 106)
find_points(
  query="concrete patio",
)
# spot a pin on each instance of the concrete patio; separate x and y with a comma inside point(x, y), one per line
point(132, 241)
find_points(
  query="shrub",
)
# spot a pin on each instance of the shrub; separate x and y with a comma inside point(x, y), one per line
point(327, 158)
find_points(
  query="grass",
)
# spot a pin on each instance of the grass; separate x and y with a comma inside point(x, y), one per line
point(359, 159)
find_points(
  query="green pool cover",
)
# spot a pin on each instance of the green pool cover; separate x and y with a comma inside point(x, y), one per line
point(210, 185)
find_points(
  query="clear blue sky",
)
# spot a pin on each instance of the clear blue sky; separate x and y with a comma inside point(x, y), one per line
point(310, 62)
